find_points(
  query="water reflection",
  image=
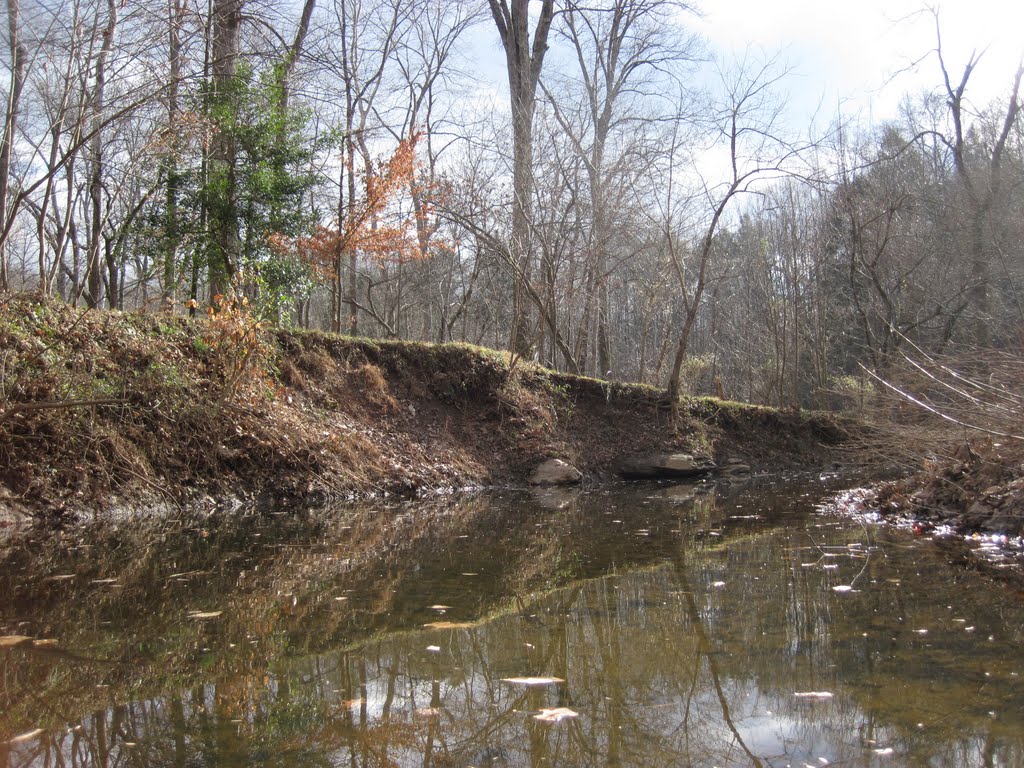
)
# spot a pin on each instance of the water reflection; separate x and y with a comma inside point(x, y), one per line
point(690, 627)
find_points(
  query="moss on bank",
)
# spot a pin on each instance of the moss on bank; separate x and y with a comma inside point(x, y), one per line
point(100, 408)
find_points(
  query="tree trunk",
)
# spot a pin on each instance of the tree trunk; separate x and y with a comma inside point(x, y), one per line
point(17, 83)
point(523, 62)
point(94, 277)
point(172, 227)
point(226, 25)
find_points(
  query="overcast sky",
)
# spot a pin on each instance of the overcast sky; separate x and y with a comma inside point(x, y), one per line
point(853, 52)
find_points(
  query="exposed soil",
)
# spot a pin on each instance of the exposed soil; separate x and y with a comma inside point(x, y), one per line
point(102, 409)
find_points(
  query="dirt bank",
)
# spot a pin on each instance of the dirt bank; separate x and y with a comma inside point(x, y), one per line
point(101, 409)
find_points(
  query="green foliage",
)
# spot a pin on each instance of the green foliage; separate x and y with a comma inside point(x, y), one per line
point(262, 193)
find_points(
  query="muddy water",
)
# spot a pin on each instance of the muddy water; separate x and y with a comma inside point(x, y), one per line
point(659, 625)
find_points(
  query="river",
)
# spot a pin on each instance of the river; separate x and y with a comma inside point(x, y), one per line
point(634, 625)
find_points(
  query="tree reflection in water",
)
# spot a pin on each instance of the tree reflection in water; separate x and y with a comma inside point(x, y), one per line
point(683, 624)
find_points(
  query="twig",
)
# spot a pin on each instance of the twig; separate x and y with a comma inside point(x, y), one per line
point(57, 404)
point(909, 397)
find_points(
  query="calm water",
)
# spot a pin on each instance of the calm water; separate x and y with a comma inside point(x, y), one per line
point(685, 627)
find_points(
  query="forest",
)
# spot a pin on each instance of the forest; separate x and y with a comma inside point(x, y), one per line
point(607, 208)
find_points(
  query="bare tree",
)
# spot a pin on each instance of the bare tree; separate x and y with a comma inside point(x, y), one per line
point(627, 52)
point(980, 176)
point(524, 60)
point(747, 125)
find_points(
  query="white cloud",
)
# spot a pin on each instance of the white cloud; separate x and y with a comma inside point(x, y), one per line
point(858, 53)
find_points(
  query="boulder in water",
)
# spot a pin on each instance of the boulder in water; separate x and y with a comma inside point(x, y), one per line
point(665, 465)
point(555, 472)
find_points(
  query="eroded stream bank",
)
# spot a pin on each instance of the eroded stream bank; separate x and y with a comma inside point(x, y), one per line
point(103, 409)
point(685, 624)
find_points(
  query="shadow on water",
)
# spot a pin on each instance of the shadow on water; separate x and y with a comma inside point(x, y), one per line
point(684, 625)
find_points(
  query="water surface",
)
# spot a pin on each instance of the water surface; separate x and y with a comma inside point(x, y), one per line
point(682, 625)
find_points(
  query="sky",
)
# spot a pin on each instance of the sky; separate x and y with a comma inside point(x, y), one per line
point(857, 56)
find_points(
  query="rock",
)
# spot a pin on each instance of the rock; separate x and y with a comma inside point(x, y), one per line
point(735, 469)
point(1002, 522)
point(977, 515)
point(555, 472)
point(664, 465)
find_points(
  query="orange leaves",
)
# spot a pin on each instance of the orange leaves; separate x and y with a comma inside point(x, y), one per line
point(377, 225)
point(386, 224)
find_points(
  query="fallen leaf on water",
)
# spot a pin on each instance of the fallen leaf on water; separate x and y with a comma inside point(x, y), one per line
point(205, 614)
point(439, 607)
point(532, 680)
point(26, 736)
point(349, 703)
point(434, 648)
point(13, 641)
point(427, 712)
point(47, 642)
point(920, 631)
point(819, 695)
point(448, 625)
point(843, 588)
point(886, 751)
point(718, 584)
point(555, 715)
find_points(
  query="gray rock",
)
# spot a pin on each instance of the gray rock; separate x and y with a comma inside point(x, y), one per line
point(735, 469)
point(664, 465)
point(1003, 522)
point(555, 472)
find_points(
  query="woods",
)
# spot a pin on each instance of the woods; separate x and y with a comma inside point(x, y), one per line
point(587, 185)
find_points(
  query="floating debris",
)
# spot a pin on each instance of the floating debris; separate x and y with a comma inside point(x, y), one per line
point(13, 641)
point(814, 695)
point(556, 715)
point(532, 680)
point(843, 588)
point(433, 648)
point(204, 615)
point(448, 625)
